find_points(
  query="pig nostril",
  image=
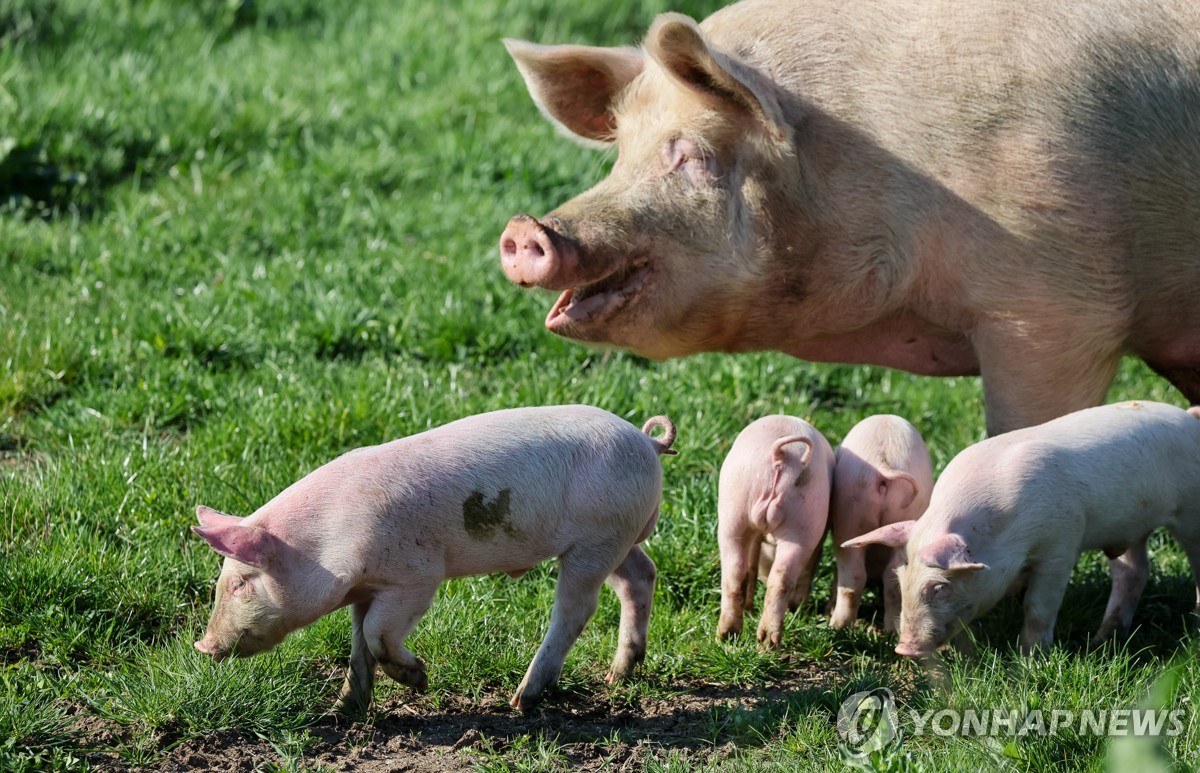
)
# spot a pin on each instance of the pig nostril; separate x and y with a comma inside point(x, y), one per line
point(509, 248)
point(536, 249)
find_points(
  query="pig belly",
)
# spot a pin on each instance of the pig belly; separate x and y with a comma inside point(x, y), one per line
point(524, 538)
point(905, 343)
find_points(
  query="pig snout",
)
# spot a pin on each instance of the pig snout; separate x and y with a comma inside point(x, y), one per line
point(534, 254)
point(910, 650)
point(209, 647)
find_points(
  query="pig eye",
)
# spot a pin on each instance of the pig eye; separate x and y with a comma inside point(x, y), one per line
point(237, 585)
point(686, 157)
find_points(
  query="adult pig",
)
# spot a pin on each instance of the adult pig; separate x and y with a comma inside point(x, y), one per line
point(1002, 187)
point(1028, 502)
point(774, 485)
point(379, 528)
point(883, 475)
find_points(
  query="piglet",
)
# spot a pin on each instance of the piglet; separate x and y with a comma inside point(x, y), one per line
point(380, 527)
point(774, 485)
point(1027, 503)
point(883, 476)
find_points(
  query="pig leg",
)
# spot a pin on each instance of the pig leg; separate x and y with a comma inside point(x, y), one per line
point(803, 587)
point(633, 582)
point(1191, 546)
point(787, 574)
point(892, 597)
point(737, 579)
point(360, 678)
point(1130, 570)
point(575, 599)
point(389, 621)
point(762, 554)
point(851, 579)
point(1024, 385)
point(1043, 597)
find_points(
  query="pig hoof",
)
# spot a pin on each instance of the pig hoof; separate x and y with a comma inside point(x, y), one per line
point(524, 701)
point(725, 630)
point(413, 676)
point(769, 640)
point(351, 705)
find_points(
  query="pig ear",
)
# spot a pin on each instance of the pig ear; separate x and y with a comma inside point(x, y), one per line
point(894, 535)
point(675, 42)
point(248, 544)
point(900, 486)
point(577, 86)
point(210, 517)
point(949, 552)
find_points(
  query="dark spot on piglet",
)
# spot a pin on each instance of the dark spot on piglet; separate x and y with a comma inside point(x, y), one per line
point(481, 518)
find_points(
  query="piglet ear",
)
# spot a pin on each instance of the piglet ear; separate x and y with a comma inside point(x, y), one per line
point(894, 535)
point(210, 517)
point(228, 536)
point(949, 552)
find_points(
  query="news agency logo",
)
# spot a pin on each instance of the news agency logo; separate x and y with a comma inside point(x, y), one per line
point(868, 721)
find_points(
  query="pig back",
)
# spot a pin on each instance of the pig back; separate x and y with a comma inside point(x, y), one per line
point(1108, 475)
point(502, 491)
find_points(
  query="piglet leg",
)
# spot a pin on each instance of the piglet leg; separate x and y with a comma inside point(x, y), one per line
point(737, 579)
point(789, 580)
point(851, 579)
point(1043, 596)
point(579, 581)
point(389, 621)
point(1190, 542)
point(892, 597)
point(1130, 570)
point(633, 582)
point(360, 678)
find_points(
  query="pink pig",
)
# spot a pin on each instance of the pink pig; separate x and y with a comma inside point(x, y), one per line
point(1008, 188)
point(1026, 504)
point(883, 476)
point(380, 527)
point(774, 487)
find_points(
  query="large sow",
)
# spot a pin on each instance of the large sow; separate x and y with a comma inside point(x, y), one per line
point(1008, 188)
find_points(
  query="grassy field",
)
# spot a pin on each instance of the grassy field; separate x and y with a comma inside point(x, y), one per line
point(240, 238)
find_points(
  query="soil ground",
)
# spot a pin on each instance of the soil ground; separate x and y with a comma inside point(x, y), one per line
point(453, 733)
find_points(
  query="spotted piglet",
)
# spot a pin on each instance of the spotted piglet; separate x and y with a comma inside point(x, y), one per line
point(883, 476)
point(774, 486)
point(379, 528)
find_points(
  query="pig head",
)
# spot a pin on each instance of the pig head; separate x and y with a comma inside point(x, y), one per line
point(942, 586)
point(266, 589)
point(650, 258)
point(785, 180)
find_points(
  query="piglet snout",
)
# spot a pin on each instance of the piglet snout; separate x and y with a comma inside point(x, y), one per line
point(208, 647)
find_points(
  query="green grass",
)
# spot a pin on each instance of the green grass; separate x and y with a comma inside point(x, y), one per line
point(240, 238)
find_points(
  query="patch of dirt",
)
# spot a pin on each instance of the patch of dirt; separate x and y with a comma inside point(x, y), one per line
point(451, 733)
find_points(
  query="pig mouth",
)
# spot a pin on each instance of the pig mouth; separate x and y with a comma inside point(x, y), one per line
point(603, 298)
point(913, 651)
